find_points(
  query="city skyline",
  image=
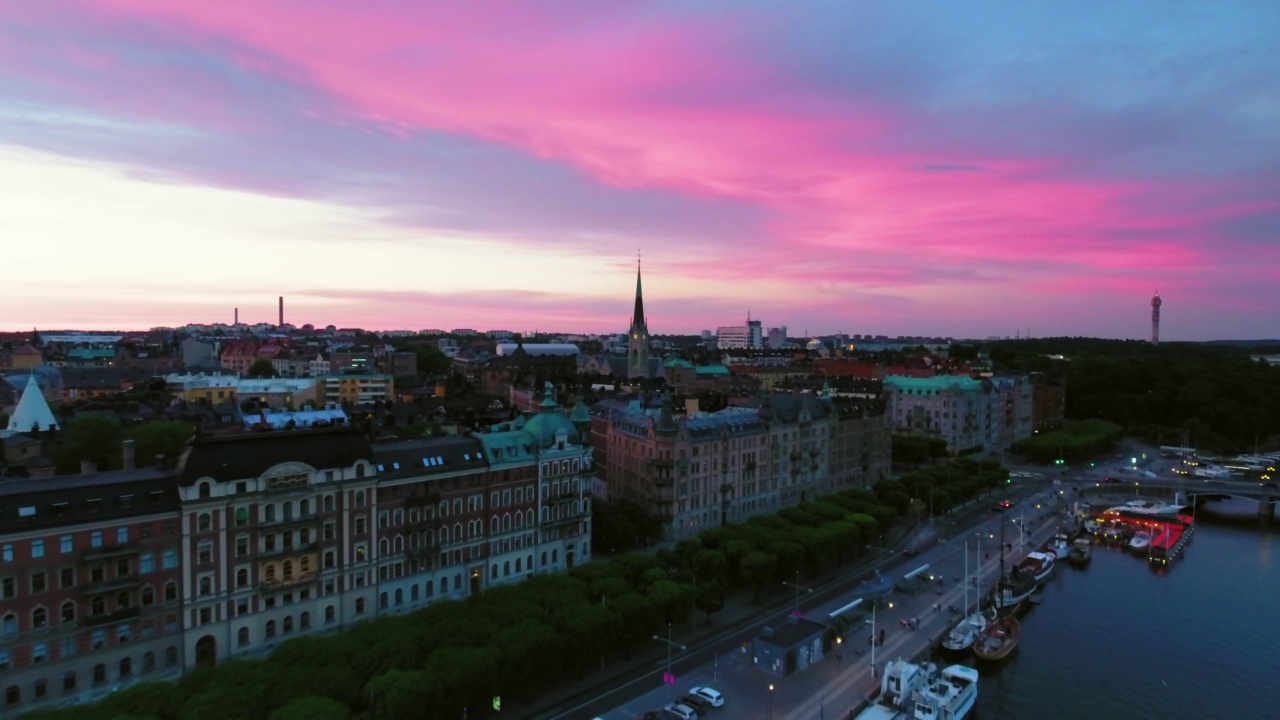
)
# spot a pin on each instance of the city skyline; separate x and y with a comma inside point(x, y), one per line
point(885, 169)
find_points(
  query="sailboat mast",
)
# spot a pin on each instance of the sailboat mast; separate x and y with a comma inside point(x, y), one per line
point(966, 577)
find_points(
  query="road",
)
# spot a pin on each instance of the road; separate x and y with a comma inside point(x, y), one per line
point(832, 686)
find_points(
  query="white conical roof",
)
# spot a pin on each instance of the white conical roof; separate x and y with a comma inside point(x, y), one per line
point(32, 411)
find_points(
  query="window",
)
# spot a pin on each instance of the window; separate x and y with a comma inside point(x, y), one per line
point(70, 646)
point(67, 544)
point(12, 696)
point(170, 591)
point(98, 606)
point(148, 661)
point(171, 655)
point(41, 688)
point(360, 493)
point(242, 516)
point(148, 595)
point(328, 560)
point(68, 682)
point(37, 548)
point(122, 567)
point(10, 624)
point(123, 633)
point(271, 628)
point(169, 560)
point(68, 612)
point(360, 524)
point(39, 653)
point(359, 606)
point(122, 600)
point(39, 582)
point(99, 674)
point(95, 540)
point(122, 535)
point(242, 636)
point(360, 553)
point(242, 577)
point(304, 620)
point(204, 522)
point(288, 625)
point(242, 546)
point(6, 552)
point(206, 585)
point(146, 563)
point(328, 614)
point(206, 491)
point(328, 503)
point(8, 588)
point(206, 553)
point(126, 667)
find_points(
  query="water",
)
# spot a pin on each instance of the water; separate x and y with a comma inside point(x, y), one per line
point(1118, 640)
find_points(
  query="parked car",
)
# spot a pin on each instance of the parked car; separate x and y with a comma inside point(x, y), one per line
point(711, 695)
point(697, 702)
point(682, 711)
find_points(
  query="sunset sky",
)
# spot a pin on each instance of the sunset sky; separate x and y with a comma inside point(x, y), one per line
point(919, 168)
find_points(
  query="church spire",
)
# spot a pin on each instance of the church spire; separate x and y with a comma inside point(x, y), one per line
point(637, 319)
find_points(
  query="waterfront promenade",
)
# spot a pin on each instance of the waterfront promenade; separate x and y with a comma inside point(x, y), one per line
point(833, 685)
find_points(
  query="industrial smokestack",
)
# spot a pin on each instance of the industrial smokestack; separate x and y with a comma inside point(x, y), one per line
point(281, 311)
point(130, 455)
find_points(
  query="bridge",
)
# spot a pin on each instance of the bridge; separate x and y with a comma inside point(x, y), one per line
point(1197, 491)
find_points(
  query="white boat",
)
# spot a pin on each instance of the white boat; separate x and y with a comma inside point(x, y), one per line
point(1059, 547)
point(910, 691)
point(1036, 565)
point(1140, 542)
point(961, 637)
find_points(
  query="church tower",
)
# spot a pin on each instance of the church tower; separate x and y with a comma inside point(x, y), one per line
point(638, 337)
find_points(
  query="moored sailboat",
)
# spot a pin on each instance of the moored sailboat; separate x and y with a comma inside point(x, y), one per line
point(998, 640)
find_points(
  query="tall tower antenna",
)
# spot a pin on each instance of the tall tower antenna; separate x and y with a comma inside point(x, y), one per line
point(1155, 318)
point(638, 334)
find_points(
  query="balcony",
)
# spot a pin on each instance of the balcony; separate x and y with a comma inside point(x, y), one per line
point(292, 581)
point(285, 552)
point(123, 582)
point(89, 621)
point(107, 552)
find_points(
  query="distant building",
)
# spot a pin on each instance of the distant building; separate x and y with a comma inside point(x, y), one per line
point(737, 337)
point(638, 337)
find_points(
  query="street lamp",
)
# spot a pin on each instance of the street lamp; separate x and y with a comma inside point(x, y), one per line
point(798, 587)
point(873, 636)
point(839, 655)
point(770, 701)
point(668, 677)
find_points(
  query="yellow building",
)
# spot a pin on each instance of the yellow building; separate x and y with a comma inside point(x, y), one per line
point(355, 389)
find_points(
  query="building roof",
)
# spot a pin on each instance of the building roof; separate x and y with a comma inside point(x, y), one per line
point(507, 447)
point(549, 423)
point(931, 385)
point(538, 348)
point(711, 370)
point(238, 457)
point(32, 411)
point(31, 504)
point(300, 418)
point(436, 456)
point(91, 354)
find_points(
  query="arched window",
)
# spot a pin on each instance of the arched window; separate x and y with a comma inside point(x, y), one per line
point(399, 543)
point(99, 673)
point(444, 535)
point(444, 508)
point(517, 565)
point(360, 474)
point(10, 624)
point(242, 636)
point(39, 618)
point(519, 519)
point(529, 563)
point(457, 531)
point(170, 591)
point(506, 521)
point(359, 606)
point(528, 517)
point(382, 601)
point(328, 560)
point(242, 577)
point(399, 596)
point(329, 614)
point(444, 584)
point(493, 571)
point(360, 493)
point(328, 503)
point(431, 590)
point(68, 611)
point(384, 547)
point(269, 513)
point(506, 569)
point(555, 556)
point(288, 509)
point(304, 620)
point(148, 595)
point(148, 661)
point(206, 585)
point(126, 667)
point(204, 521)
point(493, 525)
point(171, 656)
point(544, 558)
point(206, 491)
point(304, 507)
point(288, 624)
point(413, 593)
point(271, 628)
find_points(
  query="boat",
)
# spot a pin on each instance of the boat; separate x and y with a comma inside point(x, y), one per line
point(1092, 526)
point(1081, 552)
point(911, 691)
point(961, 637)
point(1013, 590)
point(1112, 534)
point(1038, 565)
point(998, 640)
point(1140, 542)
point(1059, 546)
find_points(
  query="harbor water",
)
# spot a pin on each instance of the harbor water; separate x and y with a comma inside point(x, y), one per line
point(1120, 640)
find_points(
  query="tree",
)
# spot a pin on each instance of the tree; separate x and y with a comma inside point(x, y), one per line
point(159, 437)
point(311, 707)
point(91, 438)
point(431, 361)
point(710, 599)
point(757, 569)
point(261, 368)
